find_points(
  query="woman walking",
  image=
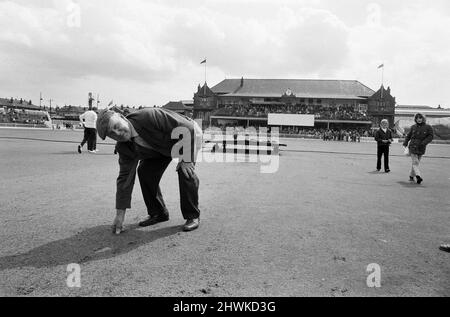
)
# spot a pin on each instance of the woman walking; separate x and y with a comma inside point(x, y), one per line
point(420, 135)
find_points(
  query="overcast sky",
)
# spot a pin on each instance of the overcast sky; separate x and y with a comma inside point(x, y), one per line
point(149, 52)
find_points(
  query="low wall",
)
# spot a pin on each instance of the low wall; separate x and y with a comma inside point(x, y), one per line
point(284, 136)
point(23, 126)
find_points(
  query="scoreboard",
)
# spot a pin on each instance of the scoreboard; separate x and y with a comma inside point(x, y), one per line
point(296, 120)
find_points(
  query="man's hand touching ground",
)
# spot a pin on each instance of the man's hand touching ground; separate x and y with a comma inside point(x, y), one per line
point(117, 227)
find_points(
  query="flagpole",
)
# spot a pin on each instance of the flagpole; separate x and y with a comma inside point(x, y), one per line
point(206, 61)
point(382, 79)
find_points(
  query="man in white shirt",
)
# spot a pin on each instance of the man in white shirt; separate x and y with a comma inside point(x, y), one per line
point(89, 121)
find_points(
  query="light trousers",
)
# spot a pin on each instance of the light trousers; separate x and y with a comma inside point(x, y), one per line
point(415, 171)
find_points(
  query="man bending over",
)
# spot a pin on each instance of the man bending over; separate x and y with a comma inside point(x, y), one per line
point(147, 141)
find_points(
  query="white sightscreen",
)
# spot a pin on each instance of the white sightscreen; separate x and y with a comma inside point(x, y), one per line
point(296, 120)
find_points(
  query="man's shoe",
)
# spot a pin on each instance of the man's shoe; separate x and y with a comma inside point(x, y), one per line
point(79, 149)
point(419, 180)
point(411, 179)
point(388, 171)
point(191, 225)
point(378, 169)
point(153, 220)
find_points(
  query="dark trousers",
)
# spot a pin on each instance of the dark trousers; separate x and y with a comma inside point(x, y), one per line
point(85, 137)
point(383, 150)
point(90, 136)
point(150, 172)
point(92, 141)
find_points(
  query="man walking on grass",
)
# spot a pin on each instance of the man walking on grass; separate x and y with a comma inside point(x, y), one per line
point(89, 120)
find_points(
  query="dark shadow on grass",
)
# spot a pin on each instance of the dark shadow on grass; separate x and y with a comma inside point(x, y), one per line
point(92, 244)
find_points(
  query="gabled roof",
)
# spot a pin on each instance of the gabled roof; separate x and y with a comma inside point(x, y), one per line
point(188, 103)
point(383, 93)
point(307, 88)
point(176, 106)
point(205, 91)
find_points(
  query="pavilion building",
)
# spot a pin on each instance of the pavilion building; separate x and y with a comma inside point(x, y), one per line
point(334, 104)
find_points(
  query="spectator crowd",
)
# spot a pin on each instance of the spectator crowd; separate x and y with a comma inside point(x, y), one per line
point(343, 135)
point(347, 135)
point(332, 112)
point(22, 116)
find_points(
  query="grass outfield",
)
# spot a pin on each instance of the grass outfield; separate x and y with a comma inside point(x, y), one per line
point(311, 229)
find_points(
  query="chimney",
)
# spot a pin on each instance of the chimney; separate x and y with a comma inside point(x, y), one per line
point(242, 82)
point(389, 90)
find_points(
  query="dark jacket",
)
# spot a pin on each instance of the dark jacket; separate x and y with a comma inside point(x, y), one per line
point(419, 136)
point(380, 136)
point(155, 126)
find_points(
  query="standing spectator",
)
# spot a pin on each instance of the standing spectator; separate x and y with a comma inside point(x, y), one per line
point(89, 121)
point(384, 140)
point(419, 136)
